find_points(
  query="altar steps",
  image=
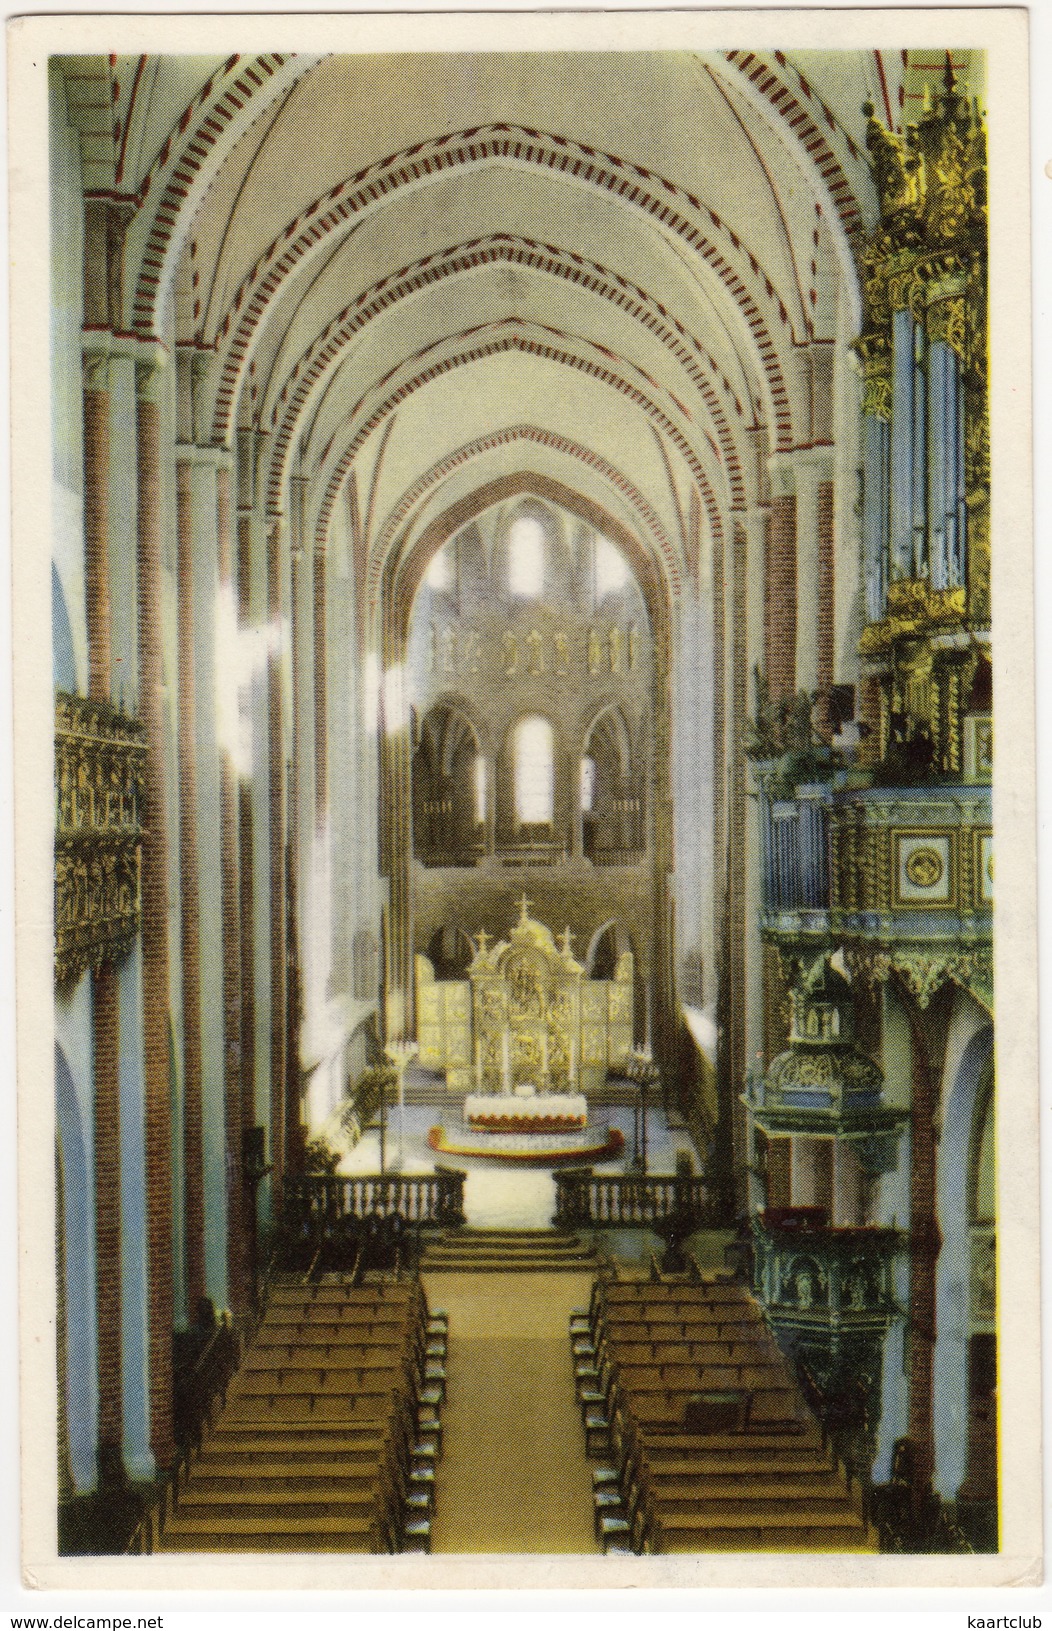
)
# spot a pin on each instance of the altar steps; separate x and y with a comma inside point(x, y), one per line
point(500, 1251)
point(421, 1089)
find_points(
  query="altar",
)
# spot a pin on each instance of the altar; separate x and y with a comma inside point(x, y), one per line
point(523, 1041)
point(526, 1112)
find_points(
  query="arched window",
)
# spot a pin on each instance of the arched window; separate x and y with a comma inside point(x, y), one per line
point(480, 789)
point(534, 772)
point(587, 784)
point(526, 557)
point(439, 574)
point(612, 571)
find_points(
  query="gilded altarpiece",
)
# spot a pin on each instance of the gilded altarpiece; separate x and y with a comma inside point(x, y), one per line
point(526, 1014)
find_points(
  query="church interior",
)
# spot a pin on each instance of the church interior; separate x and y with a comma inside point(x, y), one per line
point(523, 853)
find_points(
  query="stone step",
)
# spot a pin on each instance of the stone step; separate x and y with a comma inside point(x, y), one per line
point(501, 1265)
point(553, 1245)
point(500, 1250)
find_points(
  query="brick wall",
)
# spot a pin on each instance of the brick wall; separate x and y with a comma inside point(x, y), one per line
point(779, 621)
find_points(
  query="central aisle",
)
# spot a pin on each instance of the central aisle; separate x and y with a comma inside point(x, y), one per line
point(513, 1477)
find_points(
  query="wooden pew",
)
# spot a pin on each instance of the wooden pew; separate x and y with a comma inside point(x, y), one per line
point(277, 1532)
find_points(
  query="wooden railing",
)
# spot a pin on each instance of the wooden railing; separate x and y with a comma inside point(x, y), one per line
point(450, 855)
point(316, 1204)
point(585, 1200)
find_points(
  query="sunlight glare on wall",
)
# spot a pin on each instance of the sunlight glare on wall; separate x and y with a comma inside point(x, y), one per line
point(587, 784)
point(242, 655)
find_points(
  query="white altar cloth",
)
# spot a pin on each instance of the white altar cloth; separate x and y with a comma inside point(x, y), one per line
point(566, 1109)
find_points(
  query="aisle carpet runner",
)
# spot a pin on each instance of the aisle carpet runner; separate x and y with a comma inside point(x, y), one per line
point(513, 1477)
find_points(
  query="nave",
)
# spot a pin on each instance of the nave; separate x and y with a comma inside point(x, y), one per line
point(522, 685)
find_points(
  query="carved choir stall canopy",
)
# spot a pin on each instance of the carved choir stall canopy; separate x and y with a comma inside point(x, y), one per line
point(525, 1017)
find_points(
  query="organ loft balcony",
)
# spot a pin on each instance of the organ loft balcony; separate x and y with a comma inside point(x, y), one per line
point(901, 877)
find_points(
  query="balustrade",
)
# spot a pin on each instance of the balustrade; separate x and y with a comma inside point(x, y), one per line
point(318, 1204)
point(618, 857)
point(584, 1199)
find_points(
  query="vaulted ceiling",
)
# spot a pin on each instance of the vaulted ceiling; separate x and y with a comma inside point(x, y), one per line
point(421, 274)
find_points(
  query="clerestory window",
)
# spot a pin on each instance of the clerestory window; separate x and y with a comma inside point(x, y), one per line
point(526, 557)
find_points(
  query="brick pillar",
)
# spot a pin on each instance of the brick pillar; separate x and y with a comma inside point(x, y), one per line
point(158, 1112)
point(779, 625)
point(104, 990)
point(238, 1223)
point(193, 1126)
point(301, 810)
point(396, 844)
point(826, 584)
point(826, 652)
point(720, 551)
point(106, 1027)
point(924, 1251)
point(97, 522)
point(735, 968)
point(65, 1472)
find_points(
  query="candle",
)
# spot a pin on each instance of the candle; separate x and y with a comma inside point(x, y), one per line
point(506, 1074)
point(544, 1057)
point(573, 1061)
point(478, 1065)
